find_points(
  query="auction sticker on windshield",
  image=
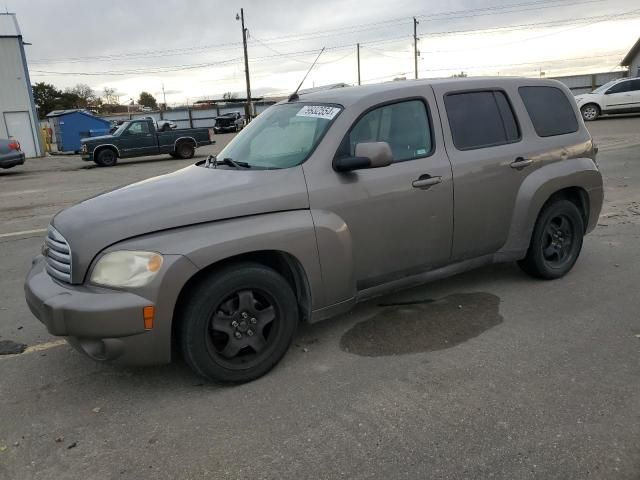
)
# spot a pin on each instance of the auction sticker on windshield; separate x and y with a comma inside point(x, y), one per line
point(318, 111)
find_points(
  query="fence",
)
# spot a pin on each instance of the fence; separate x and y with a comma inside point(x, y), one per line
point(188, 117)
point(586, 83)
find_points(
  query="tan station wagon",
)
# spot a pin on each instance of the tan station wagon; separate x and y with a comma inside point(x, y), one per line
point(323, 201)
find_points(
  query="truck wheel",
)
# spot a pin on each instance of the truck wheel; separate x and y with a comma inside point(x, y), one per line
point(238, 323)
point(106, 158)
point(185, 150)
point(556, 241)
point(590, 112)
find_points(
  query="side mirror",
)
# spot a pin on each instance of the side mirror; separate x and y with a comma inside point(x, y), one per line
point(367, 155)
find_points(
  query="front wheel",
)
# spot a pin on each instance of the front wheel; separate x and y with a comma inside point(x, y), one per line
point(590, 112)
point(106, 158)
point(238, 323)
point(556, 241)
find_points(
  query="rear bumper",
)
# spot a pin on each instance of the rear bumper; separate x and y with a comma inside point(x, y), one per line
point(105, 324)
point(9, 160)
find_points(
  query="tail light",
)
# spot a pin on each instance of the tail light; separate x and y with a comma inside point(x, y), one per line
point(14, 145)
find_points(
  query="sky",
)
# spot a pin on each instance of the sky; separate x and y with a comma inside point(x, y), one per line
point(194, 47)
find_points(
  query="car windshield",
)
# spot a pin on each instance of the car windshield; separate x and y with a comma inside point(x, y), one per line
point(604, 87)
point(121, 128)
point(282, 136)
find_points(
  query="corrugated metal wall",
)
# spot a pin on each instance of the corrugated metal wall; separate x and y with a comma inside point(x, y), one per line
point(14, 93)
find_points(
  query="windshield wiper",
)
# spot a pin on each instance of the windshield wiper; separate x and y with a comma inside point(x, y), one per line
point(213, 160)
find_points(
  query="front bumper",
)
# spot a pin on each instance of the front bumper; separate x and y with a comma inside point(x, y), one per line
point(105, 324)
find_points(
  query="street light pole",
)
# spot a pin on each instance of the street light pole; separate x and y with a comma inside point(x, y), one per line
point(416, 53)
point(246, 65)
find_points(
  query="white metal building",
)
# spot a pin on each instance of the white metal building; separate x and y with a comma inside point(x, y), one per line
point(632, 60)
point(18, 117)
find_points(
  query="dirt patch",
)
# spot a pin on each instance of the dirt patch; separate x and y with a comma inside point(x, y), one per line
point(423, 325)
point(9, 347)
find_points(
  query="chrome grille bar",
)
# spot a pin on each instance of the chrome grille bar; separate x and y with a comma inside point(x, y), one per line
point(58, 256)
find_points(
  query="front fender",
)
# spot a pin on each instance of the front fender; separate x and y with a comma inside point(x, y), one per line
point(538, 187)
point(291, 232)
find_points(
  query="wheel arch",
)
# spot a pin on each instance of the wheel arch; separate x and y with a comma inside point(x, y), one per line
point(577, 180)
point(180, 140)
point(109, 146)
point(284, 263)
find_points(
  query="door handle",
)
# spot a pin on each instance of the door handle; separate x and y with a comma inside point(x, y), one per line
point(426, 181)
point(521, 162)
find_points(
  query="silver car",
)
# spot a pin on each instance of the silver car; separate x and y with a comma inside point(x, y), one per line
point(323, 201)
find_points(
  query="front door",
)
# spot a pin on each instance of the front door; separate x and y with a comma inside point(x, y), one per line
point(399, 217)
point(138, 139)
point(618, 97)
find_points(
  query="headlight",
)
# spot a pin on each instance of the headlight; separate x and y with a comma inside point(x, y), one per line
point(126, 269)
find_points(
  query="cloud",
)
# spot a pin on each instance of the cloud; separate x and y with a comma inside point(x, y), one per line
point(195, 48)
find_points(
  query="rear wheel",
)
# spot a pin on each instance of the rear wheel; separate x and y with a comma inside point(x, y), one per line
point(590, 112)
point(238, 323)
point(185, 150)
point(106, 158)
point(556, 241)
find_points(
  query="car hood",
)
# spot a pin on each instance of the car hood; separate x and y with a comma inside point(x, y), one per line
point(100, 138)
point(186, 197)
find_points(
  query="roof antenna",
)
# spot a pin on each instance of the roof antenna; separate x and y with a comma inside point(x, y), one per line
point(294, 95)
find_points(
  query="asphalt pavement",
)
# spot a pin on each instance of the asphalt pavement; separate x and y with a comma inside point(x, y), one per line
point(489, 374)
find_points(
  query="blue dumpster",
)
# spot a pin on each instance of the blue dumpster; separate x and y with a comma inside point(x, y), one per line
point(69, 126)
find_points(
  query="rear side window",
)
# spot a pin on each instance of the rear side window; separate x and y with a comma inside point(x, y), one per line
point(635, 85)
point(549, 110)
point(481, 119)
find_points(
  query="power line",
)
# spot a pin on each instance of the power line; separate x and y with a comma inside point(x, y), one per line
point(330, 32)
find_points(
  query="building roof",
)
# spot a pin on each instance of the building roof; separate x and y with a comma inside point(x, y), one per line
point(9, 25)
point(626, 61)
point(60, 113)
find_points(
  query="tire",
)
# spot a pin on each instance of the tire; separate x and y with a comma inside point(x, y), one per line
point(590, 112)
point(185, 150)
point(106, 158)
point(556, 241)
point(220, 342)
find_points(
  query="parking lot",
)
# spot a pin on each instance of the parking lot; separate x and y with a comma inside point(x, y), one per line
point(486, 374)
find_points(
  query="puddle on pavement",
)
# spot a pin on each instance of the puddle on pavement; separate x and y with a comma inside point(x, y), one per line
point(423, 325)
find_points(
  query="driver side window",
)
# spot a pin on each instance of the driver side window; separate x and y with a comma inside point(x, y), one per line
point(138, 128)
point(404, 126)
point(619, 88)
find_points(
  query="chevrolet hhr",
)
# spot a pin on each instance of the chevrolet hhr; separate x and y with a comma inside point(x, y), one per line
point(322, 201)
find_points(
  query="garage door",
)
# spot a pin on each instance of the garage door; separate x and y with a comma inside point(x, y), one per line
point(19, 127)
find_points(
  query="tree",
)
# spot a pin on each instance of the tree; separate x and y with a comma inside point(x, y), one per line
point(85, 95)
point(46, 97)
point(459, 75)
point(110, 96)
point(147, 100)
point(229, 96)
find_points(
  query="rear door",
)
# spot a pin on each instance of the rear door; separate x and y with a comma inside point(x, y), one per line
point(634, 90)
point(138, 139)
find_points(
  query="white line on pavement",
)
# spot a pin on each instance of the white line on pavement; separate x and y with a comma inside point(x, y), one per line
point(24, 232)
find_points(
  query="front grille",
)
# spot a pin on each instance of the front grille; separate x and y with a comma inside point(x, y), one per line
point(58, 256)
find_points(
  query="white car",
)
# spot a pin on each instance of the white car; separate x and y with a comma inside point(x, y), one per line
point(617, 96)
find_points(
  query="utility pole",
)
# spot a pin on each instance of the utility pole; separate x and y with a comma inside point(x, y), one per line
point(416, 53)
point(358, 64)
point(246, 65)
point(164, 97)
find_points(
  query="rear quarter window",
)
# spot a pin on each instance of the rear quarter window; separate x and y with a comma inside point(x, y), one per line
point(550, 111)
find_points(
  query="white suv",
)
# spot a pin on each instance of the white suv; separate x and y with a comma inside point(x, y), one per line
point(617, 96)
